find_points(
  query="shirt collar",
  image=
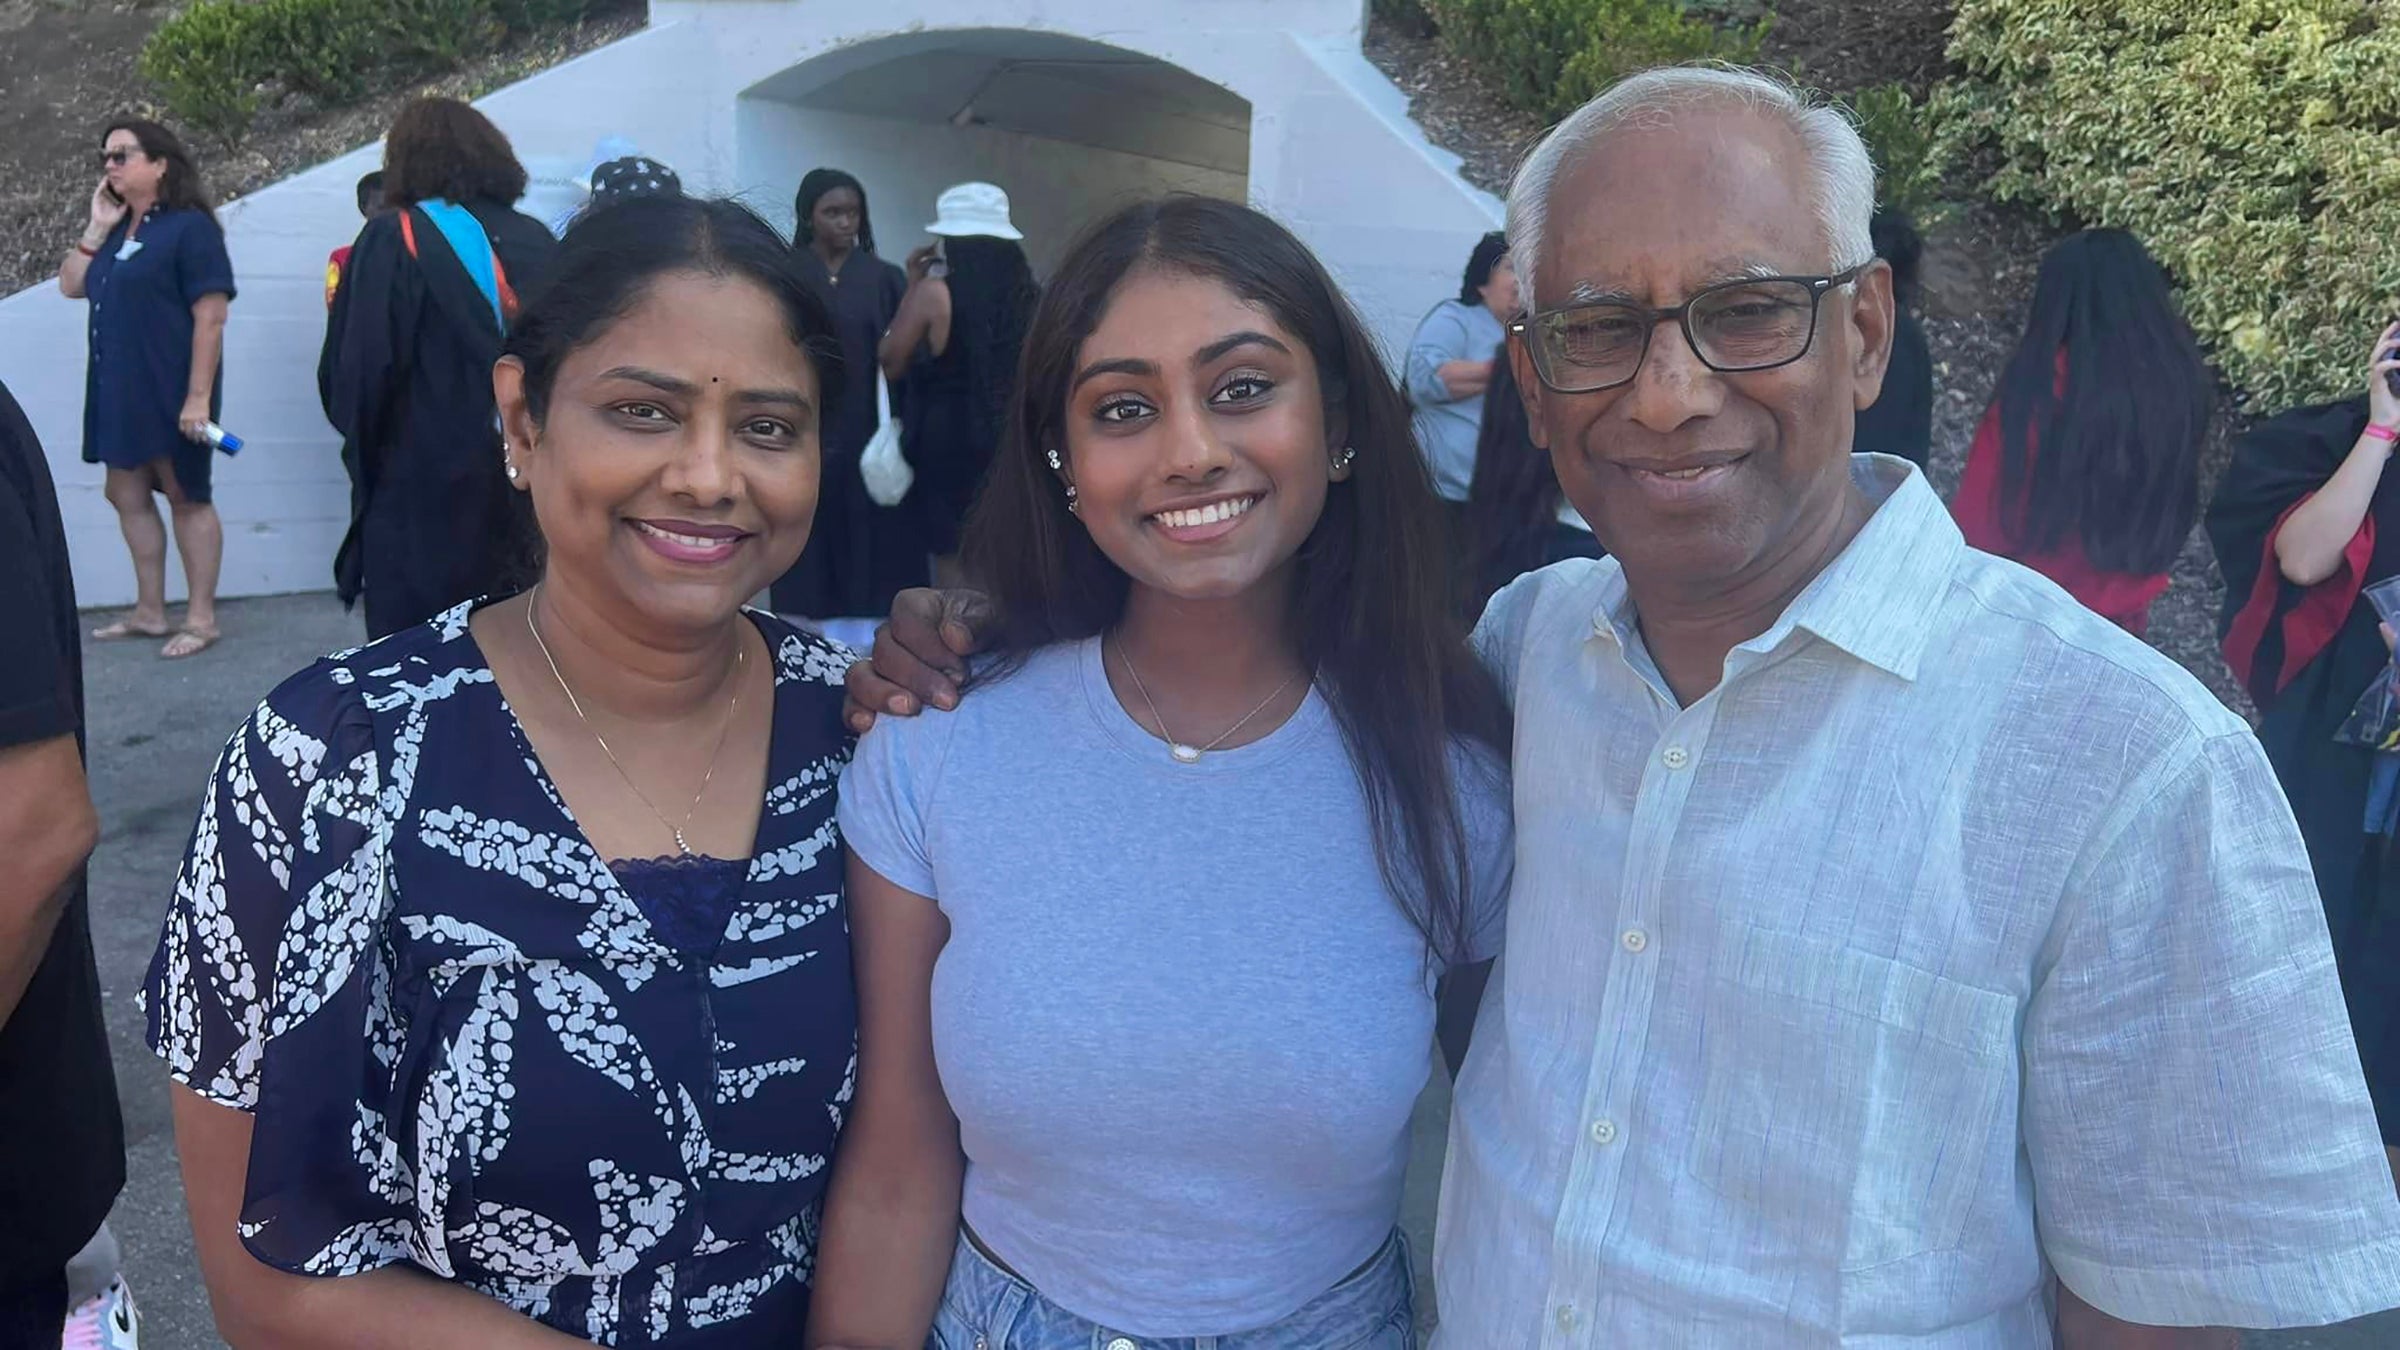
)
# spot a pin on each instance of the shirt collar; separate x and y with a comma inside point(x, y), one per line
point(1876, 599)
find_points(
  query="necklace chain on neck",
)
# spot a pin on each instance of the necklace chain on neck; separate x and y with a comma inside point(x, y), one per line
point(1185, 752)
point(739, 655)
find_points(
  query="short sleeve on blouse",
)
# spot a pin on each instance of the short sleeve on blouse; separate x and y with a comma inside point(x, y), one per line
point(269, 992)
point(202, 267)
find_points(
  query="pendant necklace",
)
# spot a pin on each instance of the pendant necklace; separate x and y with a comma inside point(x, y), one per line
point(740, 654)
point(1185, 752)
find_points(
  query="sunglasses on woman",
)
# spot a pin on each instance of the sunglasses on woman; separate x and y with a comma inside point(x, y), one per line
point(111, 159)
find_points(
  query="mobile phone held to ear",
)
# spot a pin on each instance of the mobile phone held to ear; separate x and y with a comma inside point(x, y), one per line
point(111, 190)
point(2391, 378)
point(940, 266)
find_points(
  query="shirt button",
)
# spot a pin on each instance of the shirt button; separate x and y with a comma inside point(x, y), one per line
point(1676, 757)
point(1566, 1317)
point(1636, 940)
point(1604, 1132)
point(1120, 1343)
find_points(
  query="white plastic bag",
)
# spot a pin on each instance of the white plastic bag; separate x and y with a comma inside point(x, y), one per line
point(882, 465)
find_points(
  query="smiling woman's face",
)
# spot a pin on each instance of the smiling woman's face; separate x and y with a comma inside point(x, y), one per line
point(676, 472)
point(1196, 438)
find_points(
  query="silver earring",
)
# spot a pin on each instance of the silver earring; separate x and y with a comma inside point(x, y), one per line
point(1073, 506)
point(1054, 464)
point(512, 470)
point(1343, 461)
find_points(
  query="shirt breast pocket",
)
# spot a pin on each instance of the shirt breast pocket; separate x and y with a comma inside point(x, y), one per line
point(1848, 1101)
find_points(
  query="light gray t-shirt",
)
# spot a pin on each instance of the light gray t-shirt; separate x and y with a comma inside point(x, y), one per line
point(1180, 1016)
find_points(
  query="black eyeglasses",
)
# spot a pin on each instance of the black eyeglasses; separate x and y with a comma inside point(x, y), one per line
point(1757, 323)
point(114, 158)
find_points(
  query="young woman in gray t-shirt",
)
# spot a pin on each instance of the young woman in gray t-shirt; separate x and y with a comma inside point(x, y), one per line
point(1149, 931)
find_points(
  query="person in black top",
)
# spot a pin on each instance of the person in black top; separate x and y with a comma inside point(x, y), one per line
point(62, 1143)
point(407, 367)
point(953, 347)
point(1518, 518)
point(859, 554)
point(1900, 421)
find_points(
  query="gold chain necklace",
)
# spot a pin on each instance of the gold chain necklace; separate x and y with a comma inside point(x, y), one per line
point(1183, 751)
point(740, 654)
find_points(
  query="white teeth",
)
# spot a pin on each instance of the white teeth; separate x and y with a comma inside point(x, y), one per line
point(1204, 515)
point(687, 540)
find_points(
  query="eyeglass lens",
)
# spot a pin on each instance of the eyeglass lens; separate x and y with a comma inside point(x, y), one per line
point(1744, 326)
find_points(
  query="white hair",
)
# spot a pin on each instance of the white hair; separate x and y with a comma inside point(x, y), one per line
point(1841, 172)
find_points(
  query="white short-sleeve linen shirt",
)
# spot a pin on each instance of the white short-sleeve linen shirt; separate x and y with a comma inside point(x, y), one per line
point(1955, 939)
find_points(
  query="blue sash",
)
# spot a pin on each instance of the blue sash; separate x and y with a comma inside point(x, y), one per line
point(473, 248)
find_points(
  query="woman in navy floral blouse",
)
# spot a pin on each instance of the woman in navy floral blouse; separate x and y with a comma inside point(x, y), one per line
point(507, 981)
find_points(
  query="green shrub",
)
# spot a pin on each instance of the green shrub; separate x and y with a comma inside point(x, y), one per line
point(205, 62)
point(215, 62)
point(2248, 143)
point(1908, 160)
point(1549, 56)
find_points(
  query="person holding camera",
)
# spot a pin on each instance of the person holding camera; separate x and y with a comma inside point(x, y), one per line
point(2305, 520)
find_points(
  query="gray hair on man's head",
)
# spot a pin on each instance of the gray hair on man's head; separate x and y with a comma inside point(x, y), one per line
point(1842, 173)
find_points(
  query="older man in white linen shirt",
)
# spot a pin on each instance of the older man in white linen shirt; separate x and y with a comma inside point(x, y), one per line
point(1889, 933)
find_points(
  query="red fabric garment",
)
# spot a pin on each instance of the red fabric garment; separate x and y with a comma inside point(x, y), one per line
point(2123, 598)
point(333, 272)
point(2309, 625)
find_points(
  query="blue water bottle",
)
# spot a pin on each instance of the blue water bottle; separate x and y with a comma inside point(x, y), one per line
point(221, 438)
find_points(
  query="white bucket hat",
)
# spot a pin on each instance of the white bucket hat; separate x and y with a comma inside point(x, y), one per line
point(969, 209)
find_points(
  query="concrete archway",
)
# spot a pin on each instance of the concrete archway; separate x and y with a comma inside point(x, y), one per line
point(1070, 127)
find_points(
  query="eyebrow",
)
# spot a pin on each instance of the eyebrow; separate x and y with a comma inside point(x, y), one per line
point(1214, 351)
point(1719, 272)
point(669, 384)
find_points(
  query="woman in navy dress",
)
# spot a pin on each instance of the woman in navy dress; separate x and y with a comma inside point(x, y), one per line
point(507, 981)
point(152, 261)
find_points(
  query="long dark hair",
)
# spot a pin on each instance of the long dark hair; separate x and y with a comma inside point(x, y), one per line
point(2113, 461)
point(442, 149)
point(1513, 499)
point(608, 259)
point(1488, 252)
point(179, 188)
point(992, 294)
point(1370, 612)
point(815, 184)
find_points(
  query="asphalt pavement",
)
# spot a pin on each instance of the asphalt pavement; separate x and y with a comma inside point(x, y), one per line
point(156, 728)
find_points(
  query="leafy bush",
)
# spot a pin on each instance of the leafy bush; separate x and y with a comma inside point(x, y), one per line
point(1551, 55)
point(215, 62)
point(1909, 160)
point(2248, 143)
point(205, 64)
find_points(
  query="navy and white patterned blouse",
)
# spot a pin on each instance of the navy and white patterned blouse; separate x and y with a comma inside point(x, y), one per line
point(465, 1045)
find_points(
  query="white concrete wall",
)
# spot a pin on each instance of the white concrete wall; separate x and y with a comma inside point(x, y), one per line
point(1331, 153)
point(1054, 189)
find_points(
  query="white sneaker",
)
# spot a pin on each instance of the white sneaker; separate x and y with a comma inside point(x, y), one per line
point(107, 1322)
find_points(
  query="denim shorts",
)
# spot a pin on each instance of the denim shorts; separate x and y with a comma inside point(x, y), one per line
point(986, 1308)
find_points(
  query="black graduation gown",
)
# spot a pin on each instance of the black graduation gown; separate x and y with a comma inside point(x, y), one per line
point(859, 554)
point(407, 378)
point(1900, 420)
point(2305, 654)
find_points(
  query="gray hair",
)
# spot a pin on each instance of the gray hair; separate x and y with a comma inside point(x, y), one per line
point(1842, 173)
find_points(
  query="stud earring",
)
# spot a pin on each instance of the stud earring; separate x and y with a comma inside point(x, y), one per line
point(1054, 464)
point(1342, 463)
point(1074, 507)
point(512, 470)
